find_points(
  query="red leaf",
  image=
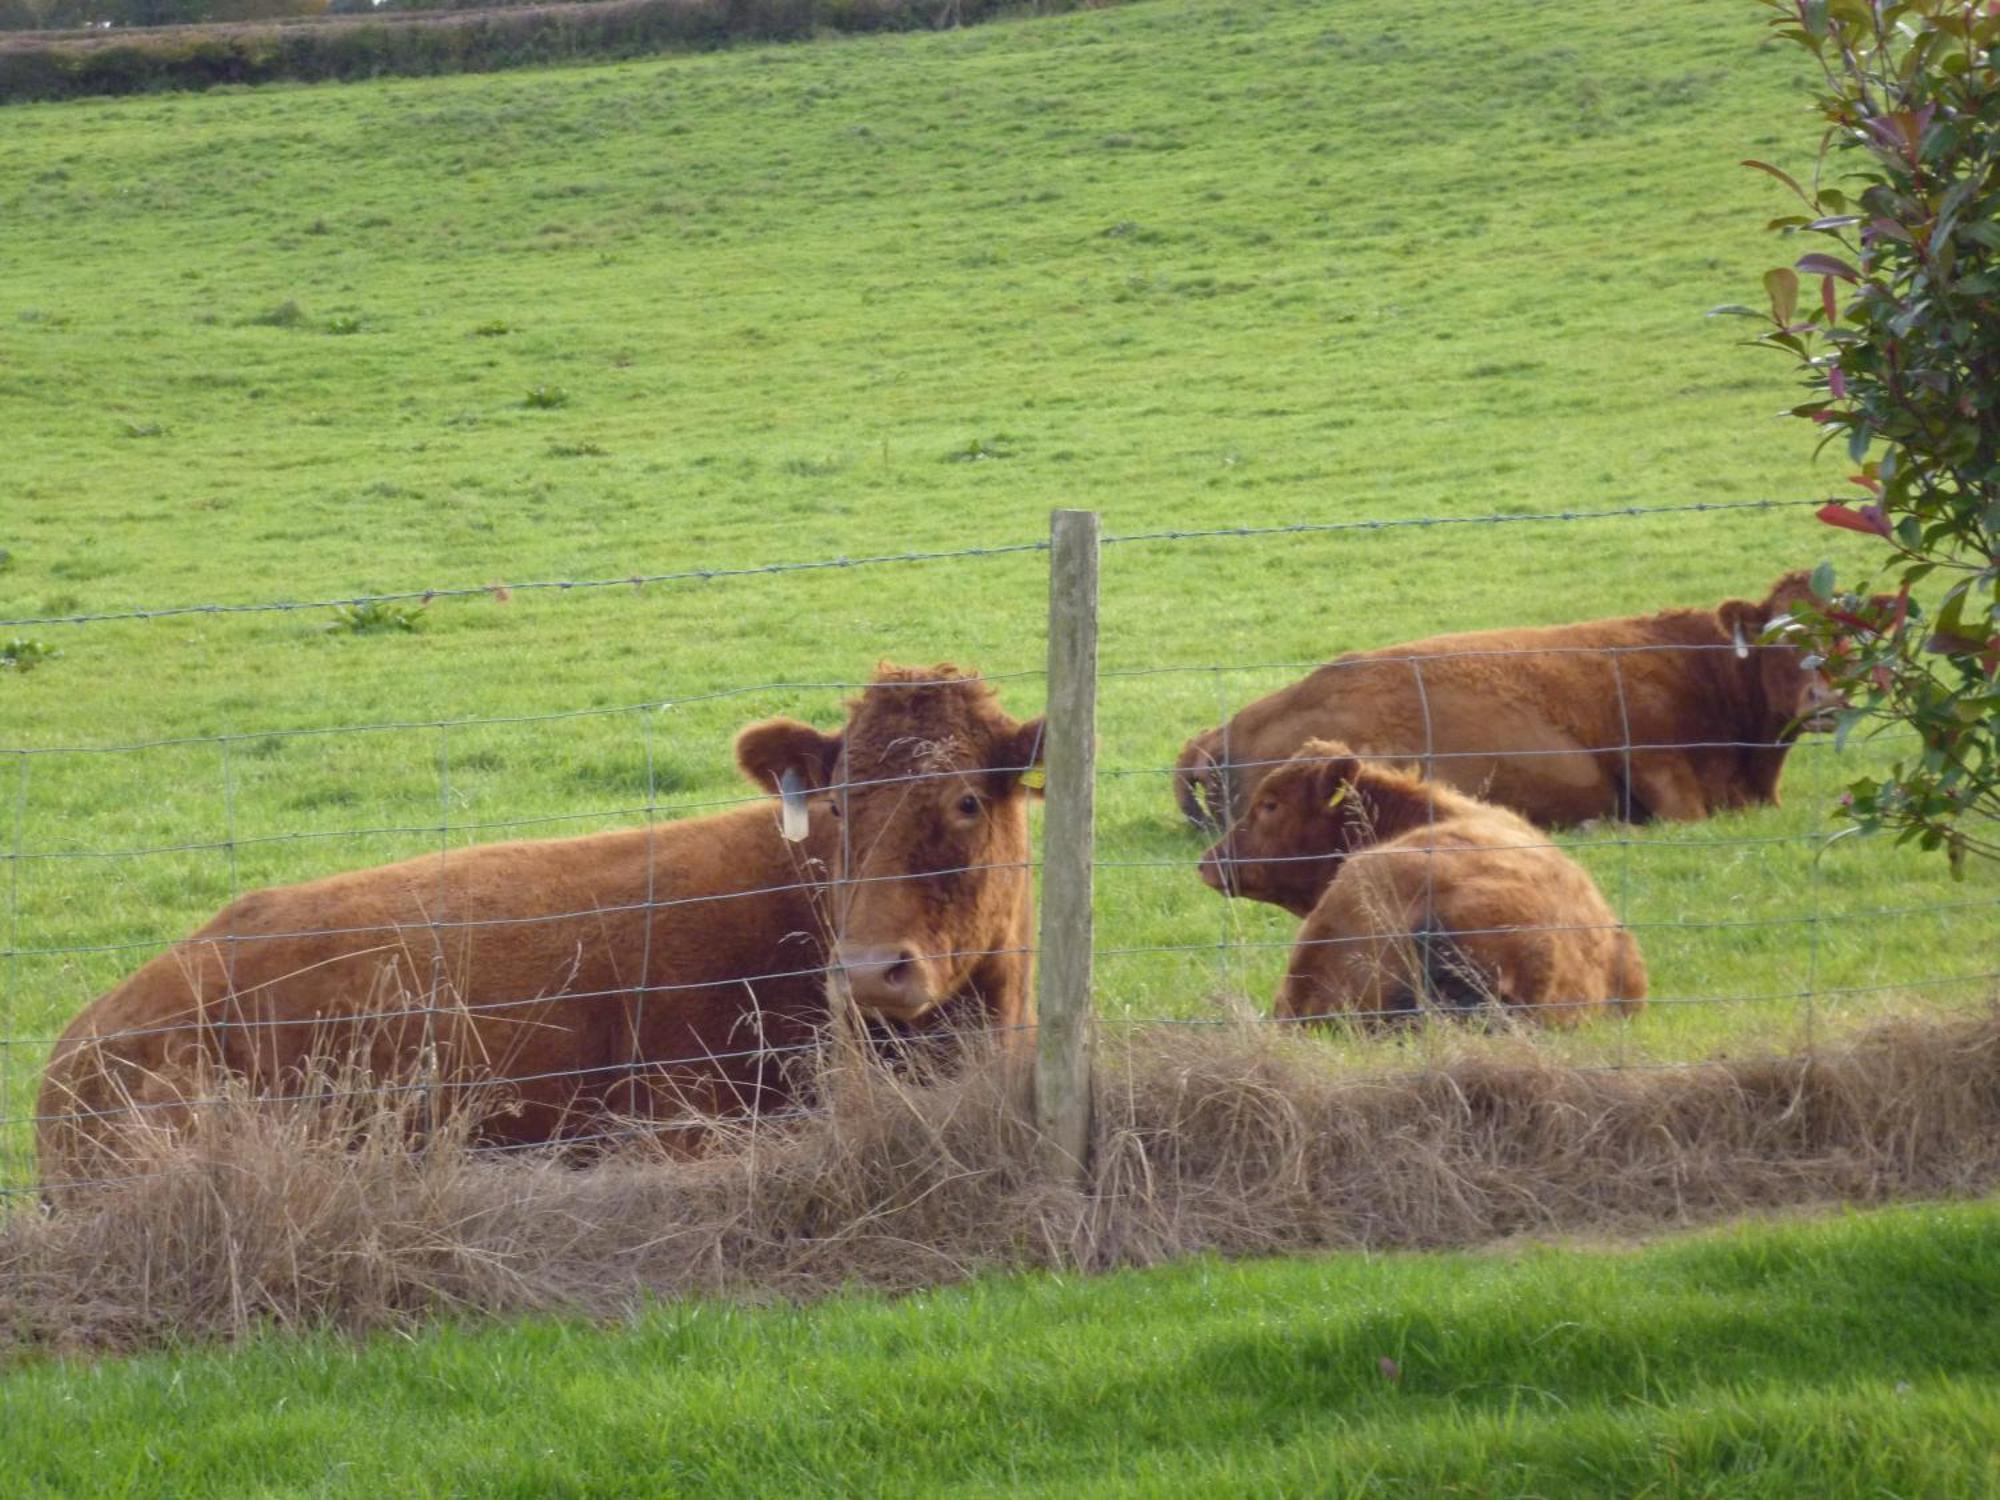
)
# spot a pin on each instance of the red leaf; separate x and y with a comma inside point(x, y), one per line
point(1827, 301)
point(1836, 381)
point(1827, 265)
point(1391, 1371)
point(1867, 481)
point(1869, 519)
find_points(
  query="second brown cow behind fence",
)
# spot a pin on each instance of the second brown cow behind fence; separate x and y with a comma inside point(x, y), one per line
point(550, 985)
point(1416, 896)
point(1674, 715)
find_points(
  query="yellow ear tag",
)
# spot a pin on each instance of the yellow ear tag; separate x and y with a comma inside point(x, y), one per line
point(1338, 797)
point(1034, 778)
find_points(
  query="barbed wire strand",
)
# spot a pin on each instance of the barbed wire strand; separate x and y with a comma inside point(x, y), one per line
point(504, 590)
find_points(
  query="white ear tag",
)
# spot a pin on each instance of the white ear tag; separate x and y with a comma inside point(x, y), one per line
point(792, 820)
point(1742, 646)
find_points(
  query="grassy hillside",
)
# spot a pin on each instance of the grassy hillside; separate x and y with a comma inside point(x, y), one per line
point(1188, 264)
point(1848, 1357)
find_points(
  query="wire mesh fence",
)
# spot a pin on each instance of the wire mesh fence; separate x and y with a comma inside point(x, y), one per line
point(1477, 828)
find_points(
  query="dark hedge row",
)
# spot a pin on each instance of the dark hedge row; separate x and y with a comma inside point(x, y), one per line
point(47, 66)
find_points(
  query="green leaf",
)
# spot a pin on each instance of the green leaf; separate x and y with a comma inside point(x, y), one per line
point(1951, 618)
point(1821, 582)
point(1781, 285)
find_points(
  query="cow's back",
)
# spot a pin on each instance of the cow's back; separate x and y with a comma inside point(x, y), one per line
point(572, 969)
point(1480, 898)
point(1542, 720)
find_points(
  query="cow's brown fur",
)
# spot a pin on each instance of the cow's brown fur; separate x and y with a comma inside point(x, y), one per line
point(1654, 716)
point(644, 972)
point(1415, 894)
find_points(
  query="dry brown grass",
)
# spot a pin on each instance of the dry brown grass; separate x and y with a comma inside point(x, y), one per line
point(1240, 1139)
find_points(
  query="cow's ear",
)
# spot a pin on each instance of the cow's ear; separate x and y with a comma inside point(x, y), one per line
point(1742, 622)
point(1333, 780)
point(1018, 759)
point(778, 751)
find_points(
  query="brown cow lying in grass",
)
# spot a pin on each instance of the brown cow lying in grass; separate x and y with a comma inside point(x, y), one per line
point(1415, 896)
point(650, 972)
point(1674, 715)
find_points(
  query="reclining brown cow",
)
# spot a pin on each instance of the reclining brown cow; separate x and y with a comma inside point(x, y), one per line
point(1416, 896)
point(646, 972)
point(1675, 715)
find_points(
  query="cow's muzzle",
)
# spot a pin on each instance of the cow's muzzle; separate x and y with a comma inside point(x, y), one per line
point(1822, 703)
point(893, 979)
point(1218, 871)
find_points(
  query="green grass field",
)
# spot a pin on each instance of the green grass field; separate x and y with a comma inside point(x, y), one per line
point(1187, 264)
point(1843, 1357)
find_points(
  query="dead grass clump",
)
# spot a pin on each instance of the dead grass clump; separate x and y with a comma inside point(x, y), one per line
point(1244, 1143)
point(1239, 1139)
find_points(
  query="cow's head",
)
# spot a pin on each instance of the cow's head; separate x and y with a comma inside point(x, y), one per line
point(1302, 819)
point(1199, 782)
point(1793, 696)
point(920, 807)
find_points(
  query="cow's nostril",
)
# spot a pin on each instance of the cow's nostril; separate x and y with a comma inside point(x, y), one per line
point(894, 975)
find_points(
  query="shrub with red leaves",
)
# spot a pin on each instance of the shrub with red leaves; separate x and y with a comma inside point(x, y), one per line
point(1900, 353)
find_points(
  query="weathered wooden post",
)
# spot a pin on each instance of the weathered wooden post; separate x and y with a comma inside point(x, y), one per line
point(1065, 1038)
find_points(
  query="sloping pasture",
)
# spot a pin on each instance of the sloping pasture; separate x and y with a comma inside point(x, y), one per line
point(1190, 264)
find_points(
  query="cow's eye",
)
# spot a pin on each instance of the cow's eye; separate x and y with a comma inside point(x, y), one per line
point(968, 806)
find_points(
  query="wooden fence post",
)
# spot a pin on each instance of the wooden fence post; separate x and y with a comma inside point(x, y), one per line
point(1064, 1040)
